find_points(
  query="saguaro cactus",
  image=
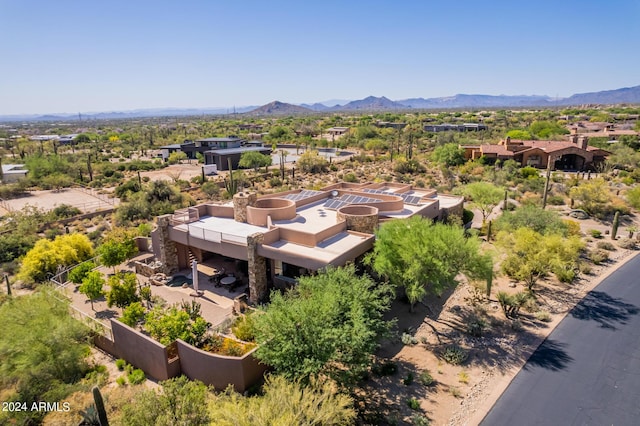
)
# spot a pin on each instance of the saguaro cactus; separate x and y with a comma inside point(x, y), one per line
point(614, 225)
point(102, 413)
point(231, 185)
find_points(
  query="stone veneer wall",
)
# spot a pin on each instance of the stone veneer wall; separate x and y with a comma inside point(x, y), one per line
point(257, 269)
point(365, 223)
point(240, 202)
point(164, 248)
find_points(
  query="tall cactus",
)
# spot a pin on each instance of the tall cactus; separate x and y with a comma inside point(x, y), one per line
point(614, 226)
point(102, 413)
point(230, 185)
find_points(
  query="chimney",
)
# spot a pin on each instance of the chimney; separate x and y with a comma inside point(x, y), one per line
point(583, 142)
point(240, 202)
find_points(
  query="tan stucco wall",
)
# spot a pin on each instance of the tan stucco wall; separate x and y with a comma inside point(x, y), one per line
point(219, 370)
point(143, 352)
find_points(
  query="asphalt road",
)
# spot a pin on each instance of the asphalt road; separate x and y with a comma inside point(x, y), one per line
point(587, 372)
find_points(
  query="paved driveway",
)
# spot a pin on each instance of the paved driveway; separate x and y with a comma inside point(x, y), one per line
point(587, 372)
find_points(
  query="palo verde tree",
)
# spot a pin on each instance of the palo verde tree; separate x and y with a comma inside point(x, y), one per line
point(425, 257)
point(123, 290)
point(254, 160)
point(92, 286)
point(484, 196)
point(42, 352)
point(530, 256)
point(118, 246)
point(43, 260)
point(328, 325)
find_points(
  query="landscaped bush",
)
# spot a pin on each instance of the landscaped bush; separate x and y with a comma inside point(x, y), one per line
point(413, 403)
point(595, 233)
point(136, 377)
point(606, 245)
point(408, 339)
point(627, 243)
point(454, 355)
point(425, 378)
point(599, 256)
point(120, 364)
point(543, 316)
point(244, 328)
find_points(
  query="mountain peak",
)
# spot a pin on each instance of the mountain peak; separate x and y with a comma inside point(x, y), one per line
point(279, 108)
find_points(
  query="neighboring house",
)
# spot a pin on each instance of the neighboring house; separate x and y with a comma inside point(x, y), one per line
point(191, 148)
point(448, 127)
point(68, 139)
point(601, 129)
point(574, 154)
point(13, 172)
point(388, 124)
point(279, 237)
point(335, 132)
point(220, 157)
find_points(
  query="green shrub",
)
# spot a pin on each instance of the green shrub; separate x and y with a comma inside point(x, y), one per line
point(408, 339)
point(425, 378)
point(463, 377)
point(275, 182)
point(350, 177)
point(420, 420)
point(136, 377)
point(120, 364)
point(121, 381)
point(565, 274)
point(244, 328)
point(595, 233)
point(454, 355)
point(543, 316)
point(413, 403)
point(476, 326)
point(555, 200)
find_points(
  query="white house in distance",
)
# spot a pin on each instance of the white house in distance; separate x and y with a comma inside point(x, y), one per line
point(12, 173)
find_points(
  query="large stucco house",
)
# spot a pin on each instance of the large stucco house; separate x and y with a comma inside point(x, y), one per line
point(284, 235)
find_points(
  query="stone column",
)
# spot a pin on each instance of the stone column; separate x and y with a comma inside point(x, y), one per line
point(257, 269)
point(165, 249)
point(240, 202)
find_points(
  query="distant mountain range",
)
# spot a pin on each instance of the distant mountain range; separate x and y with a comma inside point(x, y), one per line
point(626, 95)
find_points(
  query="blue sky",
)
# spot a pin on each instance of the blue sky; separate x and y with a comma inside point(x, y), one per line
point(82, 56)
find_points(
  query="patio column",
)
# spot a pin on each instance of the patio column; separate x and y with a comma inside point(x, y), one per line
point(165, 249)
point(257, 269)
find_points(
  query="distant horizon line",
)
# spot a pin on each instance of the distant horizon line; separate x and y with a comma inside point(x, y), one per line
point(327, 103)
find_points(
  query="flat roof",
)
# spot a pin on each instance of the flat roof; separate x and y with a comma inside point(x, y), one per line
point(313, 217)
point(231, 151)
point(219, 140)
point(14, 169)
point(172, 146)
point(326, 251)
point(223, 225)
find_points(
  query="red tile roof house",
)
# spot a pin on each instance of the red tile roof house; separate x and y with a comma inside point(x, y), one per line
point(574, 154)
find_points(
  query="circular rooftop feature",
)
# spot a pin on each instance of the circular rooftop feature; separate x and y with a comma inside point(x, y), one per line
point(359, 218)
point(276, 208)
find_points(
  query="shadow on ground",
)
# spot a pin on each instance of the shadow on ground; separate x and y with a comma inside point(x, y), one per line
point(549, 355)
point(600, 307)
